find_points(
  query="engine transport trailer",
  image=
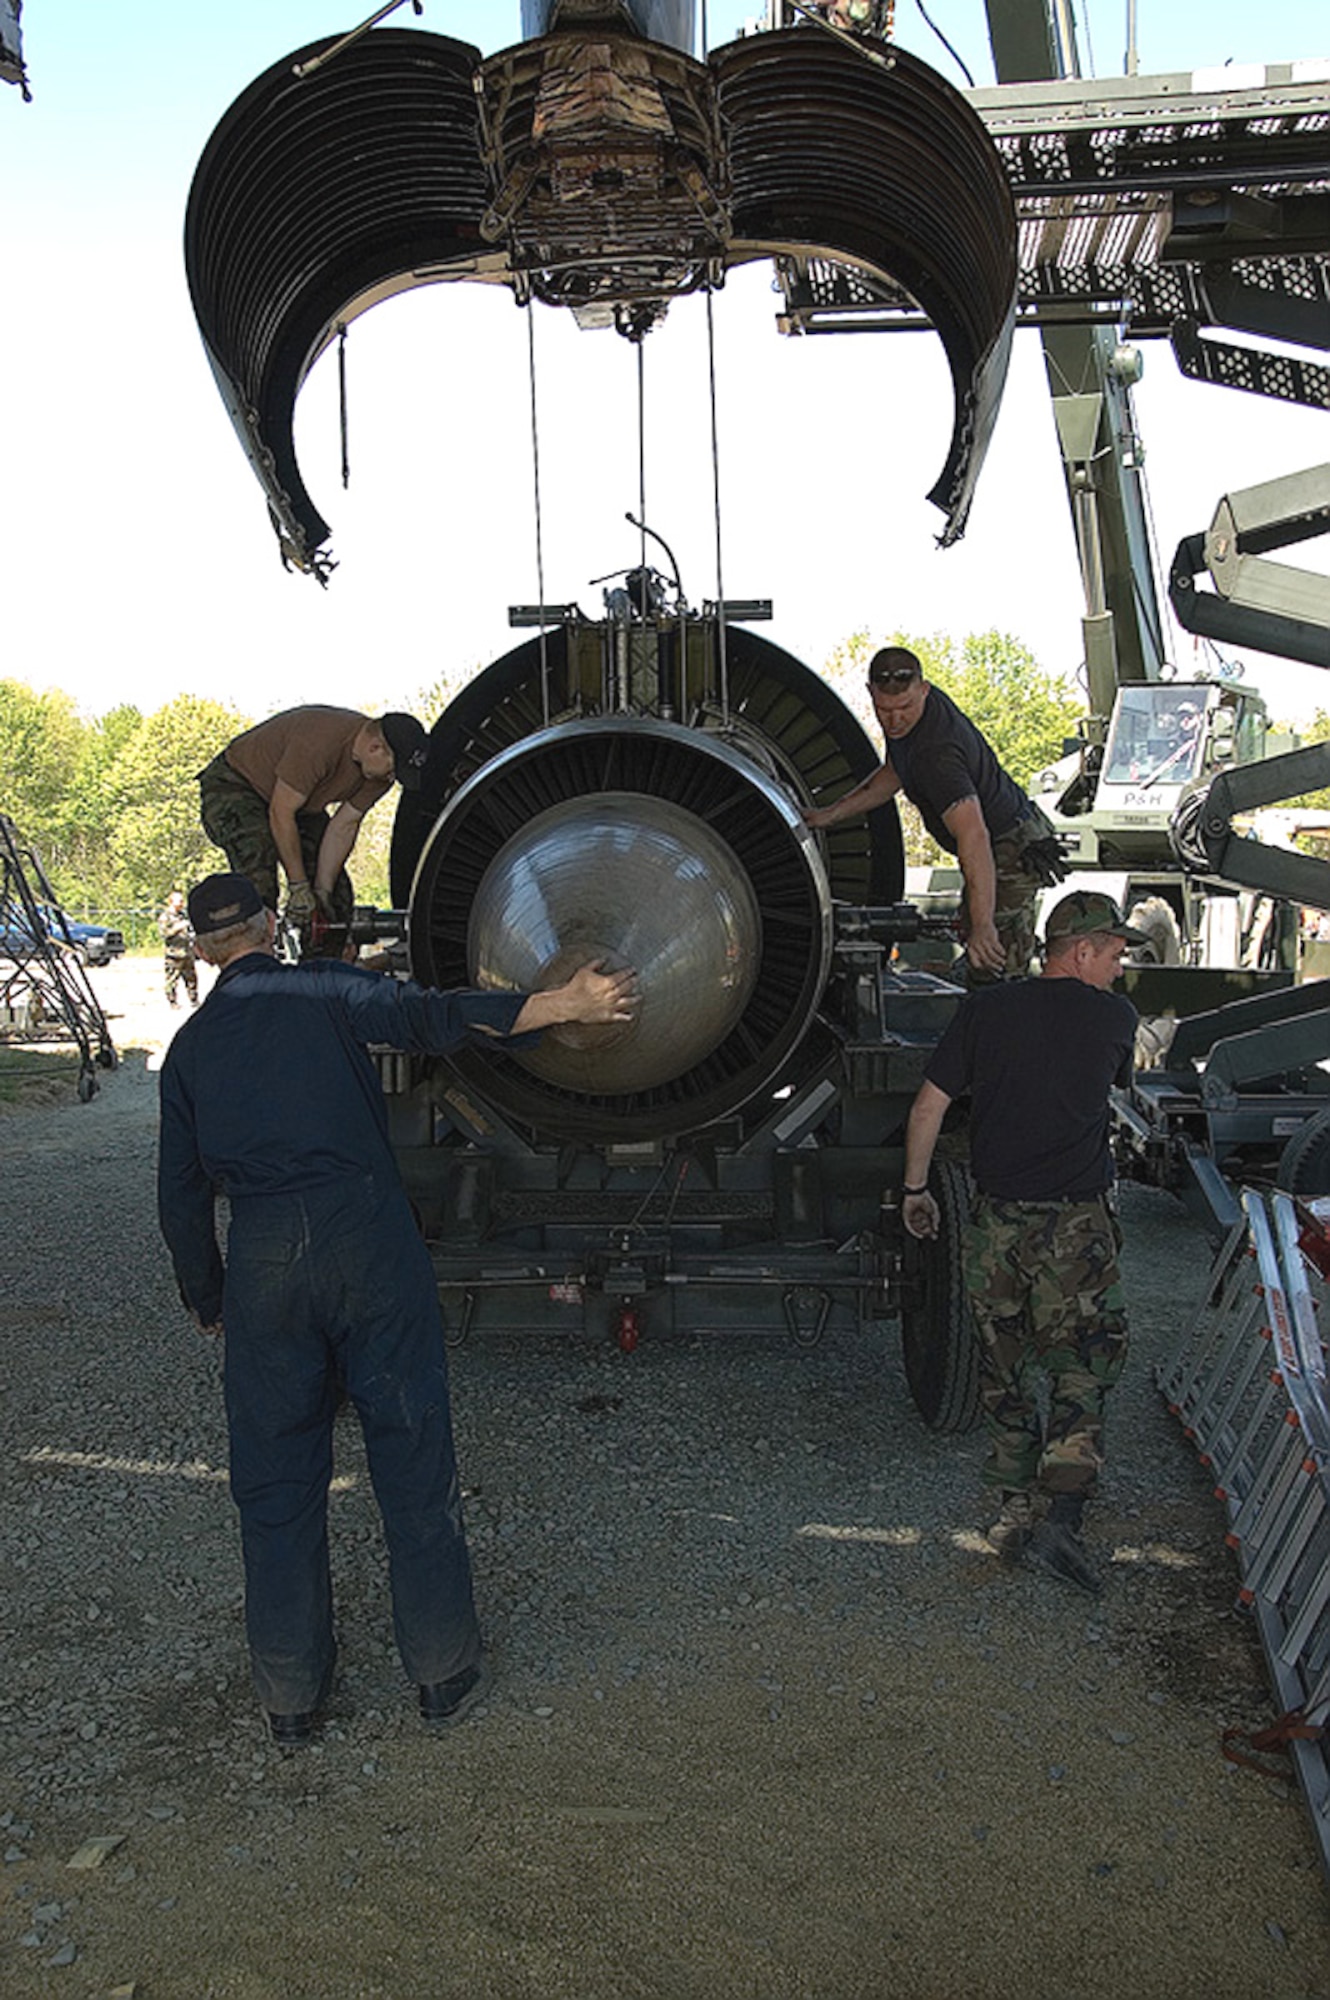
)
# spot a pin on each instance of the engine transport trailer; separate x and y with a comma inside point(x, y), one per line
point(733, 1159)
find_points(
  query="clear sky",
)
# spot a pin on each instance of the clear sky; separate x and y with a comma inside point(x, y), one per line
point(136, 555)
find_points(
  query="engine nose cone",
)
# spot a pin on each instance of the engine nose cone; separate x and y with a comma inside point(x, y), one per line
point(633, 881)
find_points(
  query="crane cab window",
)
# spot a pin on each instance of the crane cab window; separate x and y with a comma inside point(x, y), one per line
point(1157, 736)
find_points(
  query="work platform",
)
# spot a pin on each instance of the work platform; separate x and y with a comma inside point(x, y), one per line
point(1159, 204)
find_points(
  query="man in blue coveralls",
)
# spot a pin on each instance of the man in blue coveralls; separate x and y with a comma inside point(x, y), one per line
point(268, 1095)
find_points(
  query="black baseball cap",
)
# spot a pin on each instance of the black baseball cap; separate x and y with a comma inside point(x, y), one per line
point(410, 747)
point(219, 901)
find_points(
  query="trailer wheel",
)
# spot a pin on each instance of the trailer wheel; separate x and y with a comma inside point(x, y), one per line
point(1155, 917)
point(938, 1341)
point(1304, 1164)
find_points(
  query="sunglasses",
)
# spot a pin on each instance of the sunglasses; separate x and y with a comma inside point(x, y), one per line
point(895, 677)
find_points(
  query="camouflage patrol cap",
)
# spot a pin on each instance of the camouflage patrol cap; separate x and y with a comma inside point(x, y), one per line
point(1085, 911)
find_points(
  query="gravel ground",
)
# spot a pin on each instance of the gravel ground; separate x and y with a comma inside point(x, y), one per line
point(766, 1718)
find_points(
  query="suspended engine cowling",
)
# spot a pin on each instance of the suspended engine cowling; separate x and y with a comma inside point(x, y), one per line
point(631, 791)
point(598, 167)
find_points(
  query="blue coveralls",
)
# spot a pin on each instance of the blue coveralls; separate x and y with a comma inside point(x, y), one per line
point(268, 1096)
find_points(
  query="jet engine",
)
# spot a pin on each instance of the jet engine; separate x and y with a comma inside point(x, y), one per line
point(631, 790)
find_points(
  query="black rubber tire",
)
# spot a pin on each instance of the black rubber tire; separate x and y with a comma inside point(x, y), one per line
point(1155, 915)
point(938, 1343)
point(1304, 1164)
point(87, 1086)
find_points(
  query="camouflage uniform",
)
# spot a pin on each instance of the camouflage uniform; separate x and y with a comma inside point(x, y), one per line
point(235, 819)
point(1043, 1281)
point(1017, 900)
point(178, 959)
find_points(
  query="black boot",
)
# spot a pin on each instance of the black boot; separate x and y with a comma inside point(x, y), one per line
point(1057, 1544)
point(293, 1732)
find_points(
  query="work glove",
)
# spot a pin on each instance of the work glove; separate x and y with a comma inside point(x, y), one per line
point(1043, 859)
point(301, 903)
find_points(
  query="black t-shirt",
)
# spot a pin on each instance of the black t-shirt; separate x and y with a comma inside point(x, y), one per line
point(943, 760)
point(1036, 1058)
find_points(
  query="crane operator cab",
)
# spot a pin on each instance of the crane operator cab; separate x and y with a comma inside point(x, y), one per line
point(1113, 807)
point(1158, 736)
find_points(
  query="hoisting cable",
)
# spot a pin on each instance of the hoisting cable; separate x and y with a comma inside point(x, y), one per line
point(723, 659)
point(540, 544)
point(642, 475)
point(341, 401)
point(1089, 38)
point(956, 57)
point(315, 63)
point(854, 42)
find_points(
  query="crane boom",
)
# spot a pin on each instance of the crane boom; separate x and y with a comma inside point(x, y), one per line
point(1090, 377)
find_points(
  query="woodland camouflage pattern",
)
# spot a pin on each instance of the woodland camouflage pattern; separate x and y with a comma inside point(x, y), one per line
point(1044, 1285)
point(235, 819)
point(1017, 896)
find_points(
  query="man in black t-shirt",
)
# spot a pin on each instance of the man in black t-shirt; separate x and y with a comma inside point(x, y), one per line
point(1037, 1058)
point(1005, 846)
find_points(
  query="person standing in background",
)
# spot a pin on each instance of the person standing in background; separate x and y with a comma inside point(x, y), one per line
point(178, 956)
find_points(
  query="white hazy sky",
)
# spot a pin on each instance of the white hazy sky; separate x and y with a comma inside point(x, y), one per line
point(135, 551)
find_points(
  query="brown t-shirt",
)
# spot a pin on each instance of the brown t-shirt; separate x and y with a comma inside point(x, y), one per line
point(308, 749)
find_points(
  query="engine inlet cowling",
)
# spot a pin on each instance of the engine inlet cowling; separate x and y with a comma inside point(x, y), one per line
point(642, 843)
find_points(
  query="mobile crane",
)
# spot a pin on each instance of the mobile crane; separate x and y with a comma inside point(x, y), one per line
point(1159, 206)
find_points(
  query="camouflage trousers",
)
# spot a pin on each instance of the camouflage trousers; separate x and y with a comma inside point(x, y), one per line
point(1016, 904)
point(1047, 1298)
point(176, 966)
point(235, 819)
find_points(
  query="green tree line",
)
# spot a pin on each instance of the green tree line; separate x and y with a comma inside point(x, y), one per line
point(111, 805)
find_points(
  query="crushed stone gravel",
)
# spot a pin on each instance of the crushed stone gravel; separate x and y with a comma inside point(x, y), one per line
point(766, 1716)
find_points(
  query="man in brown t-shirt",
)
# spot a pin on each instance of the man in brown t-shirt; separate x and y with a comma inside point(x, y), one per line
point(265, 799)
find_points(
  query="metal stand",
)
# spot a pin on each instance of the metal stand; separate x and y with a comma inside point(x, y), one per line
point(1249, 1387)
point(45, 993)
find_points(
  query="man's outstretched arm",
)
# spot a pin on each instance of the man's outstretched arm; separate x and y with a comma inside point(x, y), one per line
point(974, 851)
point(591, 996)
point(876, 789)
point(403, 1015)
